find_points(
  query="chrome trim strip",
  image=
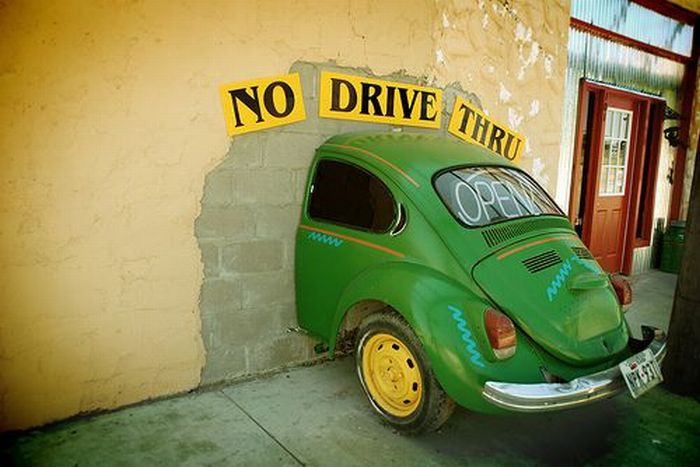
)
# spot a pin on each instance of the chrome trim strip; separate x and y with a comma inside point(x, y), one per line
point(556, 396)
point(400, 223)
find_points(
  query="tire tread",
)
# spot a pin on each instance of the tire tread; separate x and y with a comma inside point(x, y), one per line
point(437, 406)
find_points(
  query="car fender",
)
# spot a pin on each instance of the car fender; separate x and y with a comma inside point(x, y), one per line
point(446, 316)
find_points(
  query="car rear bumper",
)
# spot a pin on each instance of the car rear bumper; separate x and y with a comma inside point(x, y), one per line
point(545, 397)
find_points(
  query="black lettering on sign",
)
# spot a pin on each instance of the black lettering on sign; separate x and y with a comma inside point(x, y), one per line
point(390, 92)
point(480, 125)
point(262, 103)
point(511, 155)
point(427, 104)
point(474, 126)
point(250, 101)
point(370, 95)
point(407, 106)
point(497, 135)
point(372, 100)
point(269, 99)
point(465, 120)
point(336, 93)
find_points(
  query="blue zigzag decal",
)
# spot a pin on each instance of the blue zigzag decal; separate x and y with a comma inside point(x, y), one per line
point(476, 357)
point(327, 239)
point(564, 271)
point(559, 280)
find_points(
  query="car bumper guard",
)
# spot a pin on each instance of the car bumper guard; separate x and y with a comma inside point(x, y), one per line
point(543, 397)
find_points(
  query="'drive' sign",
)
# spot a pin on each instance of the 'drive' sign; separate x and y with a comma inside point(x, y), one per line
point(372, 100)
point(262, 103)
point(472, 125)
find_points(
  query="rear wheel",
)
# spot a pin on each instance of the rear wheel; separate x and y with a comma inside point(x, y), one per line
point(397, 377)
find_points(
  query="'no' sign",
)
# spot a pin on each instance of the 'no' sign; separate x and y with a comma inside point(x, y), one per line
point(262, 103)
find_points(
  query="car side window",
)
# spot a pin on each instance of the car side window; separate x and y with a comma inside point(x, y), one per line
point(347, 195)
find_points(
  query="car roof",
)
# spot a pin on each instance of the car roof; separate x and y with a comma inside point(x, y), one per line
point(419, 154)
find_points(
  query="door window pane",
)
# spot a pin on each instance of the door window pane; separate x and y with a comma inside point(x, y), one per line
point(606, 152)
point(616, 125)
point(619, 174)
point(625, 125)
point(350, 196)
point(615, 153)
point(623, 152)
point(610, 181)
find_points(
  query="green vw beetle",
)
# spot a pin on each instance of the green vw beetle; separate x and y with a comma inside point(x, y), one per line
point(457, 279)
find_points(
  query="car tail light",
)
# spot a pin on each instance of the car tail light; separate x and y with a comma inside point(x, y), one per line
point(501, 332)
point(622, 289)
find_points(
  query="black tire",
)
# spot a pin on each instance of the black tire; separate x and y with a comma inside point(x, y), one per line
point(434, 406)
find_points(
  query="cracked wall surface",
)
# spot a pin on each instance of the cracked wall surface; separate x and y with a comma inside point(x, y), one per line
point(513, 55)
point(112, 140)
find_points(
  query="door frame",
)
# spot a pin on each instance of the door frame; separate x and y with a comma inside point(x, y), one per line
point(639, 143)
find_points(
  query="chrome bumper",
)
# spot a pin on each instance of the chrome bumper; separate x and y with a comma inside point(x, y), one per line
point(556, 396)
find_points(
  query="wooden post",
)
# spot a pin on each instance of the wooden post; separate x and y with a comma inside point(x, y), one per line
point(681, 369)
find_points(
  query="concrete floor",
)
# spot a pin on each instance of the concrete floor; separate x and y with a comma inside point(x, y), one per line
point(319, 416)
point(652, 300)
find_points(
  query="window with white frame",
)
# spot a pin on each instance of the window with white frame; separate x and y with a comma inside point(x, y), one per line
point(615, 158)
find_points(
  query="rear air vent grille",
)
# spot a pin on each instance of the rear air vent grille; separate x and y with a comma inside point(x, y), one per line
point(542, 261)
point(502, 233)
point(581, 252)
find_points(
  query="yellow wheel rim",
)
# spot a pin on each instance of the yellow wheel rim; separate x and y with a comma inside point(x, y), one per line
point(391, 375)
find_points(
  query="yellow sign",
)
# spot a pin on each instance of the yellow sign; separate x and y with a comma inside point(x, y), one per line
point(372, 100)
point(262, 103)
point(472, 125)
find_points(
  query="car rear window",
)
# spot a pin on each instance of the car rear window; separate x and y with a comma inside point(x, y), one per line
point(479, 196)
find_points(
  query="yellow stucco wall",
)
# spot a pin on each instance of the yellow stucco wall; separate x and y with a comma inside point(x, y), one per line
point(109, 121)
point(514, 58)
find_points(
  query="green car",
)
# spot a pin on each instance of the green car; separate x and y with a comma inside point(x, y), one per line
point(457, 279)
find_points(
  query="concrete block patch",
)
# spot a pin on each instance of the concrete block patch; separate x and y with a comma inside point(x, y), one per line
point(267, 289)
point(219, 190)
point(292, 150)
point(288, 348)
point(247, 229)
point(220, 295)
point(216, 222)
point(255, 256)
point(245, 151)
point(225, 363)
point(210, 259)
point(264, 186)
point(277, 222)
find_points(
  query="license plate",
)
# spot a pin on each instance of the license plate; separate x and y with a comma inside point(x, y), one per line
point(641, 372)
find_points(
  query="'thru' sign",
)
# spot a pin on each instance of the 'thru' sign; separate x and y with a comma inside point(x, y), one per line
point(474, 126)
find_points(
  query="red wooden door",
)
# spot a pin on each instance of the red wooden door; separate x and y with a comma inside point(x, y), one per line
point(610, 190)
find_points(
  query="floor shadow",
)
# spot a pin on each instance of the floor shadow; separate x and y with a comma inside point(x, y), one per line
point(576, 436)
